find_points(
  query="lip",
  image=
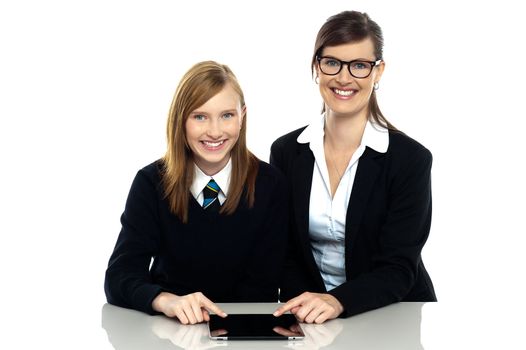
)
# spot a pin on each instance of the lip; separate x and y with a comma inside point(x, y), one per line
point(213, 145)
point(342, 93)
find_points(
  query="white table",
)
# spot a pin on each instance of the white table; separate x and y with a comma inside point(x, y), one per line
point(393, 327)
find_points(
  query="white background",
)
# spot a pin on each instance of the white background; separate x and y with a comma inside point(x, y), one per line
point(85, 88)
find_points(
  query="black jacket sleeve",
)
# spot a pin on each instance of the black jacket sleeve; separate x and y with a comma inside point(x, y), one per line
point(128, 283)
point(395, 263)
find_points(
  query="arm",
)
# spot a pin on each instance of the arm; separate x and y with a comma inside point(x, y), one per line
point(400, 241)
point(308, 307)
point(128, 283)
point(395, 261)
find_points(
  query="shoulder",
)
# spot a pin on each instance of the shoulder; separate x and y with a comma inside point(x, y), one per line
point(268, 173)
point(153, 169)
point(288, 139)
point(406, 156)
point(271, 184)
point(150, 174)
point(401, 145)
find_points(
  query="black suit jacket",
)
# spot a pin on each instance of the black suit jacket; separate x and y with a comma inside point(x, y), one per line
point(387, 224)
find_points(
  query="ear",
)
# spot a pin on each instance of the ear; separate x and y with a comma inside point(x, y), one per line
point(242, 116)
point(379, 71)
point(317, 71)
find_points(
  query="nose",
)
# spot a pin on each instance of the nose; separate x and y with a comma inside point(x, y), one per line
point(214, 130)
point(344, 77)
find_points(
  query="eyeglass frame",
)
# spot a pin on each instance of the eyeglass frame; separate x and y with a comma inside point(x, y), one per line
point(348, 63)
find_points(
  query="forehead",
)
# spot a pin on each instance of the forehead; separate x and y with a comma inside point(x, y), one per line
point(363, 49)
point(225, 99)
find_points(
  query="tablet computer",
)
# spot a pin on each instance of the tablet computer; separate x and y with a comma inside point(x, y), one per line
point(254, 327)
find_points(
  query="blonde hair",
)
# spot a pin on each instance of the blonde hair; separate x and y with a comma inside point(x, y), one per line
point(203, 81)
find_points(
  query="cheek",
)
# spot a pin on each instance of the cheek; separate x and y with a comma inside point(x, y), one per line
point(233, 129)
point(192, 129)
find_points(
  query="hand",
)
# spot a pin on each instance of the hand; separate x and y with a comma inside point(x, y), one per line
point(189, 309)
point(312, 307)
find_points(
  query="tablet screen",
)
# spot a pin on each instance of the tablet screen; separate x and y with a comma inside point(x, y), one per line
point(254, 326)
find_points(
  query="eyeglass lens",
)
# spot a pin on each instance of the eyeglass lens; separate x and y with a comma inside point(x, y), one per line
point(358, 69)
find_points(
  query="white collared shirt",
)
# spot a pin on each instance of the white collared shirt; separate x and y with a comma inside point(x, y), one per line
point(222, 178)
point(327, 214)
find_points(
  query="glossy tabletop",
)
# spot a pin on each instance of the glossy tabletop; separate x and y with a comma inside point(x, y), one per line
point(393, 327)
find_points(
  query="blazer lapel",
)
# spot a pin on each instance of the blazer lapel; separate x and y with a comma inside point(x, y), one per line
point(301, 187)
point(369, 167)
point(302, 169)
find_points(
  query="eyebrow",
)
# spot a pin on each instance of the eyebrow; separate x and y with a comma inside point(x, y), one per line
point(354, 59)
point(233, 111)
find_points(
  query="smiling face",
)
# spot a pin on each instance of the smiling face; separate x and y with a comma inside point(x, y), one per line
point(342, 93)
point(212, 130)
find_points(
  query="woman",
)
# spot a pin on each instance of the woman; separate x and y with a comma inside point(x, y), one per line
point(360, 189)
point(209, 213)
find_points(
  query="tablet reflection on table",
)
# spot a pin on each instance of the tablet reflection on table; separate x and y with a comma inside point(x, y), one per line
point(393, 327)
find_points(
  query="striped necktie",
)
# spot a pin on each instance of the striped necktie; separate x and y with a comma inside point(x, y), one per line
point(210, 192)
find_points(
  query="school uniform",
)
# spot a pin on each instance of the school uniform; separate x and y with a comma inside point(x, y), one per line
point(229, 258)
point(364, 245)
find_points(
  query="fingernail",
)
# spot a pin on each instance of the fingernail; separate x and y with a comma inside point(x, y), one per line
point(224, 314)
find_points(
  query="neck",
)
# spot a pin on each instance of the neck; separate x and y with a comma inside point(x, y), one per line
point(344, 132)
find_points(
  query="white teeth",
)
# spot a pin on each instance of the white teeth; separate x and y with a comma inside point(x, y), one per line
point(213, 144)
point(344, 93)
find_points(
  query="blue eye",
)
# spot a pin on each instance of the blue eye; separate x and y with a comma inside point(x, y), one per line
point(228, 115)
point(331, 62)
point(199, 117)
point(360, 65)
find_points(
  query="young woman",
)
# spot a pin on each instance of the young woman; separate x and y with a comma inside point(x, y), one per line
point(209, 213)
point(360, 189)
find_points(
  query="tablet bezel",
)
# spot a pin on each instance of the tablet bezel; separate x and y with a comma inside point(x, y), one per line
point(260, 320)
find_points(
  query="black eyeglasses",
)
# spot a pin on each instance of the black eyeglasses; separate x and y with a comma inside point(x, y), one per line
point(358, 68)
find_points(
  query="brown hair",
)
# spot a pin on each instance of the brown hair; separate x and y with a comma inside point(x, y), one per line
point(203, 81)
point(346, 27)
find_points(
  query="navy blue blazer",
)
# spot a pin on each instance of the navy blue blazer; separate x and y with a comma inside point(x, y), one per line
point(387, 225)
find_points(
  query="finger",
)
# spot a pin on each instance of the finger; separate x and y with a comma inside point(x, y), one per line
point(324, 316)
point(316, 307)
point(292, 303)
point(196, 310)
point(179, 313)
point(210, 306)
point(189, 312)
point(313, 314)
point(304, 311)
point(186, 307)
point(206, 315)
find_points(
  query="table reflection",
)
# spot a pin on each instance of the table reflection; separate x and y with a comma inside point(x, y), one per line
point(393, 327)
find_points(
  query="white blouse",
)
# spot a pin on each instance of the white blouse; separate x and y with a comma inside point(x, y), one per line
point(327, 215)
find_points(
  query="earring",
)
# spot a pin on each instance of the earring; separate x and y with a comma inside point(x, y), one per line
point(376, 86)
point(317, 80)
